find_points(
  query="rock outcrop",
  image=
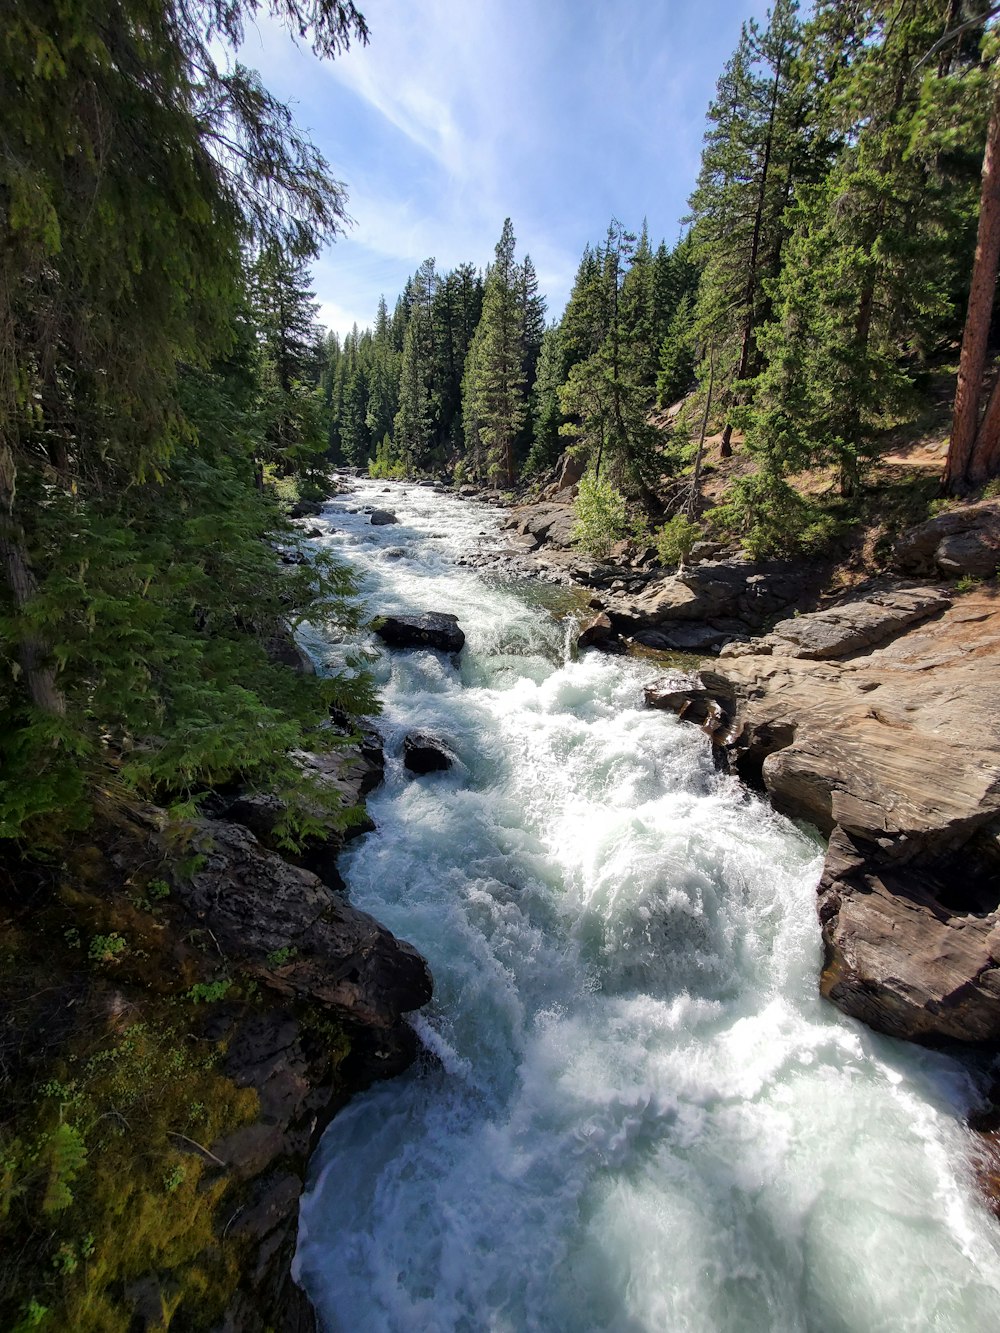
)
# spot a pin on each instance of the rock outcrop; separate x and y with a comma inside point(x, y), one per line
point(598, 632)
point(959, 541)
point(893, 751)
point(435, 629)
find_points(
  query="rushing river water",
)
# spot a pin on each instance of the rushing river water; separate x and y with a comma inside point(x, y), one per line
point(643, 1119)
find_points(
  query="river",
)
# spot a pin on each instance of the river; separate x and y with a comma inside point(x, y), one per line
point(643, 1118)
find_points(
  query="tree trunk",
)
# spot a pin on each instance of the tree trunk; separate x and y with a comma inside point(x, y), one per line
point(33, 653)
point(692, 500)
point(968, 456)
point(986, 454)
point(747, 342)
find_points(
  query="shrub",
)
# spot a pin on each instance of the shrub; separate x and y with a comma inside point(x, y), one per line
point(675, 539)
point(601, 518)
point(772, 518)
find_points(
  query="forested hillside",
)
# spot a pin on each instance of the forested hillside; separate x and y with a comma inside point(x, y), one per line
point(824, 272)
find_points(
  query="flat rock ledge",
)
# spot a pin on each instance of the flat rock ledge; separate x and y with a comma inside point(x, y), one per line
point(877, 722)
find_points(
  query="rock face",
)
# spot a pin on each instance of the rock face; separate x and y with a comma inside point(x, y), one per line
point(381, 517)
point(854, 627)
point(298, 936)
point(961, 541)
point(435, 629)
point(897, 958)
point(426, 754)
point(895, 753)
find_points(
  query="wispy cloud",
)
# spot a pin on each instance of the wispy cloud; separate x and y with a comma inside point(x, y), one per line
point(461, 112)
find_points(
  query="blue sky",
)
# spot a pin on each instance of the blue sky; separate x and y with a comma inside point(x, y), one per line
point(558, 113)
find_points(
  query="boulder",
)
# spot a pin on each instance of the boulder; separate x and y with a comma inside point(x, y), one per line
point(305, 509)
point(599, 633)
point(569, 471)
point(381, 517)
point(547, 524)
point(960, 541)
point(433, 629)
point(703, 697)
point(426, 754)
point(282, 649)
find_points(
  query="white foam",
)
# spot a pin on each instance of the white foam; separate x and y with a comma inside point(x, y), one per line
point(645, 1117)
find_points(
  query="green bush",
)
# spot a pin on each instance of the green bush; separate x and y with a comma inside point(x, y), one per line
point(674, 540)
point(601, 517)
point(772, 518)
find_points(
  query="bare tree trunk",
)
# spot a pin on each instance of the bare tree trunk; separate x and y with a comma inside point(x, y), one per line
point(692, 500)
point(33, 653)
point(967, 459)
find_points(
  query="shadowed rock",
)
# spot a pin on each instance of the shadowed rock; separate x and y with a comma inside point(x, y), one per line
point(435, 629)
point(961, 541)
point(426, 754)
point(381, 517)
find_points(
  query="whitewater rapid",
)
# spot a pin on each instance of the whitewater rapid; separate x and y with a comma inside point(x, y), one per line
point(642, 1116)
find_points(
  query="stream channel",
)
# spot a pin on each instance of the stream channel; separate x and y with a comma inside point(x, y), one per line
point(642, 1118)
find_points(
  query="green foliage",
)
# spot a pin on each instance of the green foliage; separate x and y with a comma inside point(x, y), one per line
point(495, 385)
point(282, 956)
point(772, 518)
point(64, 1153)
point(107, 948)
point(208, 992)
point(601, 516)
point(387, 465)
point(967, 583)
point(675, 539)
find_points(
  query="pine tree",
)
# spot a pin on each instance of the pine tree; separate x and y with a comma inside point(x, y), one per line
point(870, 273)
point(606, 397)
point(494, 394)
point(413, 431)
point(753, 151)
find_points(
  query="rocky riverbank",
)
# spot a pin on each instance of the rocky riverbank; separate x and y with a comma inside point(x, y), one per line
point(208, 1003)
point(868, 712)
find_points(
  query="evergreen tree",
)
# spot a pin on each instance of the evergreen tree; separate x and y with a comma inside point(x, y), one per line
point(606, 397)
point(414, 423)
point(494, 394)
point(289, 338)
point(870, 274)
point(546, 414)
point(753, 150)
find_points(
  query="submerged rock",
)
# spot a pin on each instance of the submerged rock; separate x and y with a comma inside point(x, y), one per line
point(434, 629)
point(426, 754)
